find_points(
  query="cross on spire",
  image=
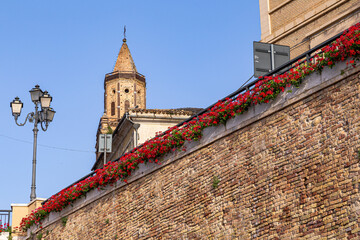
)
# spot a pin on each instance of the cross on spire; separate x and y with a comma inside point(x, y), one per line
point(124, 40)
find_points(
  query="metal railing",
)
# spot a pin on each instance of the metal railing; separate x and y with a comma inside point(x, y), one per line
point(5, 217)
point(305, 57)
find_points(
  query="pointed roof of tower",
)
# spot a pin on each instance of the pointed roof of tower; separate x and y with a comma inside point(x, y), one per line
point(124, 60)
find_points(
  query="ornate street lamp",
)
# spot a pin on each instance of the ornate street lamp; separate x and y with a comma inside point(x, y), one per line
point(44, 117)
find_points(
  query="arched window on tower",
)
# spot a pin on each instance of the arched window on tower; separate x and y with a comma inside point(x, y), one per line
point(127, 105)
point(112, 108)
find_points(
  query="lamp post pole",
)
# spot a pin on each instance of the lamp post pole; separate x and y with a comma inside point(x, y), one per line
point(33, 179)
point(45, 116)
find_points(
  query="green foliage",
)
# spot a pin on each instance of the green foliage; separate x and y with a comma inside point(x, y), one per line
point(10, 237)
point(107, 221)
point(109, 130)
point(39, 236)
point(64, 221)
point(216, 181)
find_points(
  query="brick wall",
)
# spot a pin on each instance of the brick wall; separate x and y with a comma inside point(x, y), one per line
point(302, 24)
point(300, 39)
point(298, 8)
point(288, 170)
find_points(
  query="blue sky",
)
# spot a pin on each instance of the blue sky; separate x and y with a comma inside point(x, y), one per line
point(191, 52)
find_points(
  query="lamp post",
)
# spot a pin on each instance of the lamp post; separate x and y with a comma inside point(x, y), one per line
point(44, 117)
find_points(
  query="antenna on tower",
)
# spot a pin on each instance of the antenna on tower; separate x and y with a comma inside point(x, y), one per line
point(124, 33)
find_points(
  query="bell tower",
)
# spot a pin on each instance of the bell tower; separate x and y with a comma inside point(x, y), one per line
point(125, 88)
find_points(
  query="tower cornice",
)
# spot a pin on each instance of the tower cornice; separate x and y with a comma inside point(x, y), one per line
point(124, 74)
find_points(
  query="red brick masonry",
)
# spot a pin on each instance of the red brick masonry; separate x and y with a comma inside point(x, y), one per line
point(289, 172)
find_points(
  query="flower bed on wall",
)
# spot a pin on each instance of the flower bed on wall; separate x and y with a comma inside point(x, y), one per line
point(267, 88)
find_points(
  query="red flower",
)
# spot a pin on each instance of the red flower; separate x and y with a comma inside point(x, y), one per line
point(267, 88)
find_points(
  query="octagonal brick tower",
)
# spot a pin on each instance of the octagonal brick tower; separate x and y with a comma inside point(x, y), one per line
point(125, 88)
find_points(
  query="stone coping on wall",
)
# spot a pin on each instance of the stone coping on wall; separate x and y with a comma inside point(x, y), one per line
point(311, 84)
point(4, 235)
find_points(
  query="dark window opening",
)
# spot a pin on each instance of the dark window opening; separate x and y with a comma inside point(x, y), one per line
point(112, 108)
point(127, 105)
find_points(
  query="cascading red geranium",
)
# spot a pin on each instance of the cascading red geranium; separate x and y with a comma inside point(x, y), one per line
point(267, 88)
point(4, 227)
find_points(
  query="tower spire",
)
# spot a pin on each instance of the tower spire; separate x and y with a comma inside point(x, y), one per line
point(124, 62)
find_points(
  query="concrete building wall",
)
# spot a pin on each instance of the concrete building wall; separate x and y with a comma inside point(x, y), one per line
point(149, 128)
point(150, 124)
point(288, 169)
point(19, 211)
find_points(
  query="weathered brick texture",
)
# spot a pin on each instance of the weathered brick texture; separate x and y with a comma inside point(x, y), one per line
point(299, 8)
point(303, 24)
point(291, 175)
